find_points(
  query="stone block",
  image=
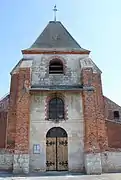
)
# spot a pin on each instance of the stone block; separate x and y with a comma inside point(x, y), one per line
point(111, 161)
point(6, 160)
point(93, 163)
point(21, 163)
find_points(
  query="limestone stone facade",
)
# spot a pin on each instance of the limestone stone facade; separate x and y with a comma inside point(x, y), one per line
point(78, 85)
point(73, 125)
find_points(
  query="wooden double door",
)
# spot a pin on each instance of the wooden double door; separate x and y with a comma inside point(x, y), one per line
point(57, 151)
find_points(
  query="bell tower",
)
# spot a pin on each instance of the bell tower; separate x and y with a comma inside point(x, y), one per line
point(58, 87)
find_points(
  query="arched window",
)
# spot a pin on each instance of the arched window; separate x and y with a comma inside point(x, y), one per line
point(56, 67)
point(56, 109)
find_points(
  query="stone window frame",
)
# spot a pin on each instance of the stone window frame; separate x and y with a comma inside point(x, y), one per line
point(51, 96)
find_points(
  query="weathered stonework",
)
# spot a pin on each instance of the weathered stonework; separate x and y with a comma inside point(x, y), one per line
point(40, 70)
point(88, 139)
point(73, 126)
point(21, 163)
point(6, 160)
point(93, 163)
point(111, 161)
point(93, 134)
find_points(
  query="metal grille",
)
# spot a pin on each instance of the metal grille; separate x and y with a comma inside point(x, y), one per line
point(56, 109)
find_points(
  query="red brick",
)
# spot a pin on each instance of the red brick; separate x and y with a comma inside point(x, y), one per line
point(22, 113)
point(114, 134)
point(11, 127)
point(95, 129)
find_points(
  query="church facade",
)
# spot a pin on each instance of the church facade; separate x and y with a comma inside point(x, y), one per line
point(56, 117)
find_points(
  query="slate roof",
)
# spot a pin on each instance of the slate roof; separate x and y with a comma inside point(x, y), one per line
point(56, 36)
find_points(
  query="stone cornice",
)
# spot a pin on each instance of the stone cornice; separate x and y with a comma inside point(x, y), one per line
point(34, 89)
point(36, 51)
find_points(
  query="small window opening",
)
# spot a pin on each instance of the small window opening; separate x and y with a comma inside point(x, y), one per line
point(116, 115)
point(55, 67)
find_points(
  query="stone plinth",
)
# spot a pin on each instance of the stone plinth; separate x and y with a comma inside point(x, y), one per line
point(93, 163)
point(21, 163)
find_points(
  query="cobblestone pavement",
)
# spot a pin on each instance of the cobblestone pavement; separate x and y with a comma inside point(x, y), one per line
point(113, 176)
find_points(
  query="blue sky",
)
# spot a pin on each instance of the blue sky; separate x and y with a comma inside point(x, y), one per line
point(95, 24)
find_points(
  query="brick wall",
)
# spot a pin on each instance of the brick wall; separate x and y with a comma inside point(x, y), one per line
point(114, 134)
point(89, 113)
point(113, 124)
point(95, 129)
point(12, 112)
point(22, 112)
point(100, 112)
point(18, 111)
point(110, 107)
point(4, 104)
point(3, 125)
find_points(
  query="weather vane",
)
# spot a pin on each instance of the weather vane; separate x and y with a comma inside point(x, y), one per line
point(55, 10)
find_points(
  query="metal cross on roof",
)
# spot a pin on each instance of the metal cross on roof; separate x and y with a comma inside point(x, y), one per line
point(55, 10)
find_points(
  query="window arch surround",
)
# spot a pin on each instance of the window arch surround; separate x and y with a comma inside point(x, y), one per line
point(56, 66)
point(56, 108)
point(51, 96)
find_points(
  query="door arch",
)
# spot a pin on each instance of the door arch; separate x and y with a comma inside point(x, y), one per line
point(56, 149)
point(56, 132)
